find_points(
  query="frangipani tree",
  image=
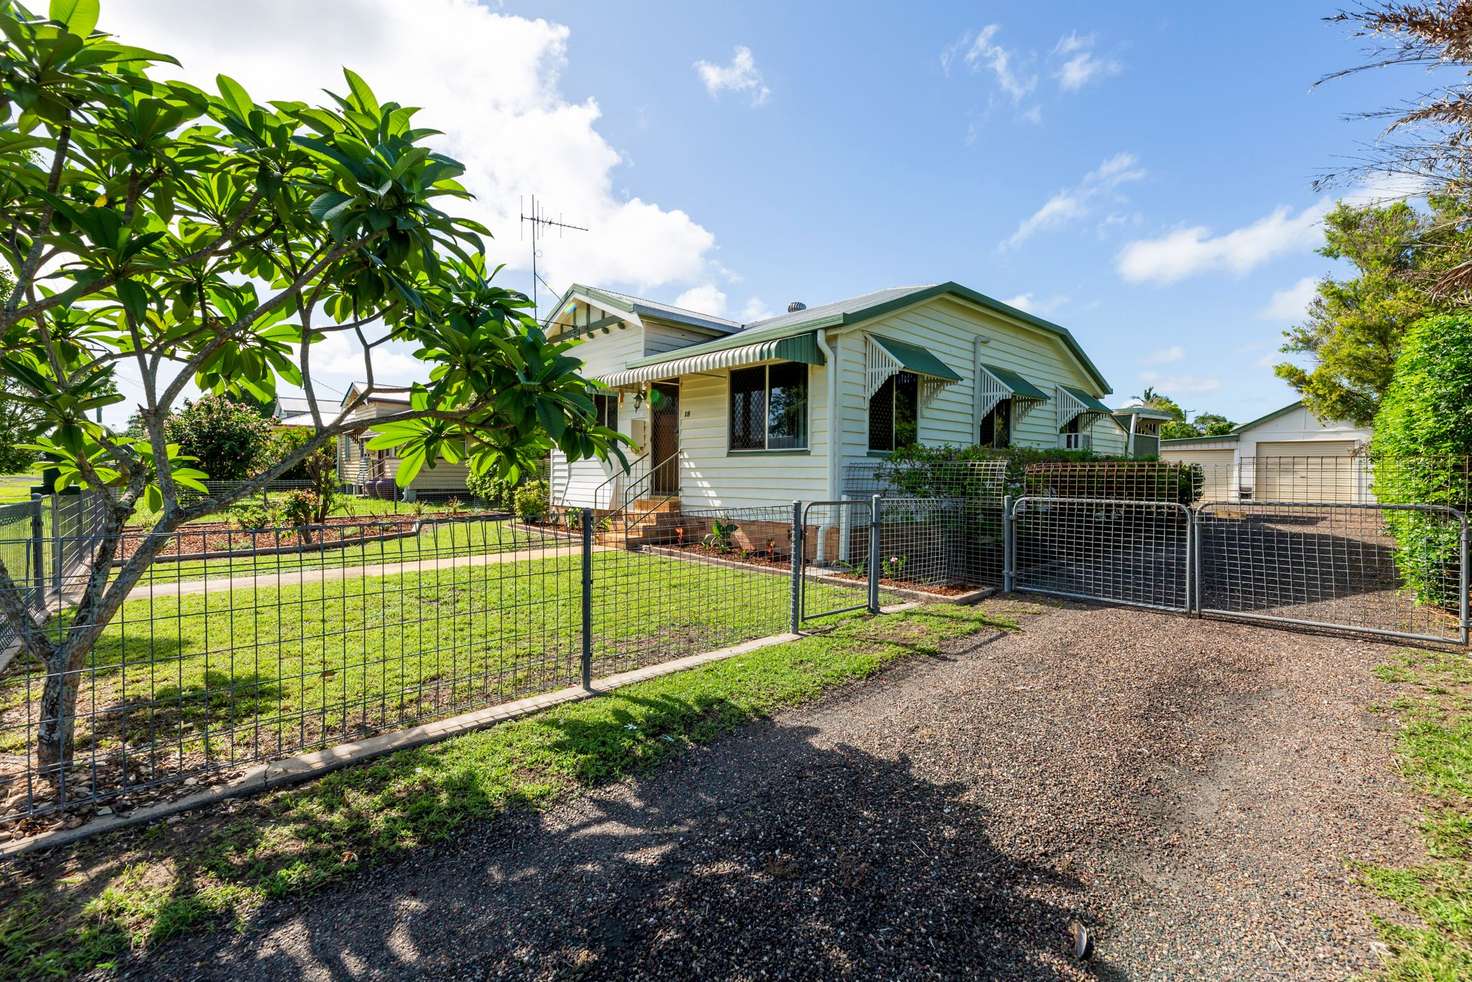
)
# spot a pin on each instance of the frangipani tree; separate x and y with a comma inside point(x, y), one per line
point(204, 237)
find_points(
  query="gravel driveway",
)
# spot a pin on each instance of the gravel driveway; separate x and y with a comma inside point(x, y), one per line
point(1192, 790)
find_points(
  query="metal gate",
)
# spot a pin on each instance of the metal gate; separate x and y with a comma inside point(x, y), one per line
point(1120, 551)
point(1398, 571)
point(834, 544)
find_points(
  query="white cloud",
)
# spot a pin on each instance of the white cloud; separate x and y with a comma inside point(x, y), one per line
point(980, 52)
point(741, 75)
point(1192, 251)
point(707, 298)
point(505, 117)
point(1077, 201)
point(1082, 65)
point(1165, 356)
point(1040, 306)
point(1290, 303)
point(1177, 386)
point(755, 310)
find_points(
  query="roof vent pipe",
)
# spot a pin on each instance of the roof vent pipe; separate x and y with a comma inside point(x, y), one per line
point(795, 306)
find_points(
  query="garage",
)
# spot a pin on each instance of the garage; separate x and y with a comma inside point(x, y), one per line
point(1304, 470)
point(1216, 469)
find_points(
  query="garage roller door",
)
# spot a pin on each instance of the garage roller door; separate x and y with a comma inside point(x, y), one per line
point(1307, 470)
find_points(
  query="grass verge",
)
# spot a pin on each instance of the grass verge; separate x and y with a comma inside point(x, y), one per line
point(82, 907)
point(1435, 754)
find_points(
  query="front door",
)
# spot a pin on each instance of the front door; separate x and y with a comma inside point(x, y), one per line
point(664, 440)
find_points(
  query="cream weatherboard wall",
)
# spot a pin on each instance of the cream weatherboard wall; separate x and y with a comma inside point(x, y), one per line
point(574, 483)
point(949, 329)
point(713, 477)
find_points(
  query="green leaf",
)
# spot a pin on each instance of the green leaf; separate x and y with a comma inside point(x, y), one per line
point(79, 16)
point(233, 94)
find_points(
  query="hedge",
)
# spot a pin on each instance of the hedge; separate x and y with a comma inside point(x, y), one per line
point(1421, 451)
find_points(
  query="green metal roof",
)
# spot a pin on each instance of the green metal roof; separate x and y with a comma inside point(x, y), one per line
point(846, 313)
point(1094, 404)
point(1021, 387)
point(916, 359)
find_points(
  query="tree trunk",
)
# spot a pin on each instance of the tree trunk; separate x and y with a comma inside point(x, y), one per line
point(59, 713)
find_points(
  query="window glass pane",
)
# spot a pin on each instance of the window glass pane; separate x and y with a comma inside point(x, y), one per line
point(787, 406)
point(881, 417)
point(607, 411)
point(906, 409)
point(748, 408)
point(996, 428)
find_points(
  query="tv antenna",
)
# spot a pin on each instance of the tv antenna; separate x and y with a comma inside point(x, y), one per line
point(540, 222)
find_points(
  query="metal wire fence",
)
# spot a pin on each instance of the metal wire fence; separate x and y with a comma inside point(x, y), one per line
point(1135, 552)
point(247, 646)
point(1397, 570)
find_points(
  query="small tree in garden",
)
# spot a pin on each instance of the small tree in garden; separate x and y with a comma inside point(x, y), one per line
point(225, 438)
point(1422, 448)
point(203, 237)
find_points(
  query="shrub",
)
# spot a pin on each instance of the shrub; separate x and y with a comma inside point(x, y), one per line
point(300, 508)
point(497, 492)
point(228, 439)
point(531, 501)
point(720, 536)
point(1421, 449)
point(255, 516)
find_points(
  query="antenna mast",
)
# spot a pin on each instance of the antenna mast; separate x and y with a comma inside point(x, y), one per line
point(538, 221)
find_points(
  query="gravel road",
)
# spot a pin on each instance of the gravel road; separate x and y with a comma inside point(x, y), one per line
point(1191, 790)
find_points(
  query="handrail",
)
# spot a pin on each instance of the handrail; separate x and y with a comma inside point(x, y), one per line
point(633, 491)
point(626, 471)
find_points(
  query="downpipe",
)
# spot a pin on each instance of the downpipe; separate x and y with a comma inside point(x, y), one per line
point(831, 372)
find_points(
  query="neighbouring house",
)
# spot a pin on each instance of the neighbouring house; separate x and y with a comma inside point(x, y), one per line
point(371, 472)
point(725, 414)
point(1141, 425)
point(1288, 455)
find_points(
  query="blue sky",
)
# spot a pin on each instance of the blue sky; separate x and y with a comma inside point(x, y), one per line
point(870, 164)
point(1140, 173)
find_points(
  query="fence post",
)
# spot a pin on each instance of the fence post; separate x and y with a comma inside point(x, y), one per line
point(587, 598)
point(876, 516)
point(38, 568)
point(1007, 558)
point(58, 544)
point(1466, 586)
point(797, 550)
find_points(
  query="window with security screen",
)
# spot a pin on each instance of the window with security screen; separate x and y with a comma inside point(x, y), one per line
point(769, 407)
point(894, 412)
point(996, 427)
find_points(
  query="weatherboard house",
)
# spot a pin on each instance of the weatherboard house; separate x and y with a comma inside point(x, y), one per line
point(730, 415)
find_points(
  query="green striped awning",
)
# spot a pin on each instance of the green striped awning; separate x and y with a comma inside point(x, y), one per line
point(1021, 387)
point(1092, 405)
point(916, 359)
point(801, 348)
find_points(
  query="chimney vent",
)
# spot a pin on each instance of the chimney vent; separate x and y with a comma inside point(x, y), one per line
point(795, 306)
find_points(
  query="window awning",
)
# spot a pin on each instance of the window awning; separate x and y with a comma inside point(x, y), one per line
point(802, 348)
point(1074, 402)
point(995, 385)
point(886, 357)
point(913, 358)
point(1020, 387)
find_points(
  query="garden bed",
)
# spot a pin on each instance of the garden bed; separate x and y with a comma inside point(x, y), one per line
point(223, 540)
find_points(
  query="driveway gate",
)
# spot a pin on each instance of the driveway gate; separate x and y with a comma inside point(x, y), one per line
point(1120, 551)
point(1393, 570)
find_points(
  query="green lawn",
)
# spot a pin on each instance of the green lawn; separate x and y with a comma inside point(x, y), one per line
point(1435, 753)
point(261, 670)
point(16, 487)
point(63, 914)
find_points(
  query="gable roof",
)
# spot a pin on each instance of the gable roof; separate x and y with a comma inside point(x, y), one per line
point(855, 310)
point(640, 307)
point(1236, 431)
